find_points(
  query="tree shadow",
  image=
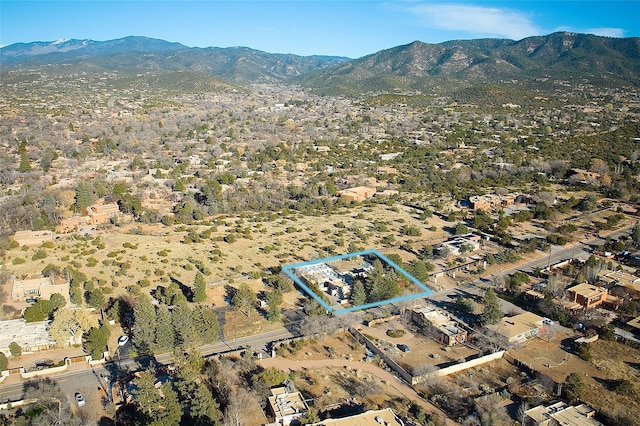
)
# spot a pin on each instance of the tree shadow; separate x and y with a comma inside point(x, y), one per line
point(185, 289)
point(229, 293)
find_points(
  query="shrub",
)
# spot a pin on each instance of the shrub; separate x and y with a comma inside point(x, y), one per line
point(395, 333)
point(4, 362)
point(40, 254)
point(15, 349)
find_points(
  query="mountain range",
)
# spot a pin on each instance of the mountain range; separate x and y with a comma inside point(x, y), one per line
point(416, 66)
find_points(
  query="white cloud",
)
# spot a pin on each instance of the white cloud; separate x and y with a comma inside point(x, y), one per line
point(606, 32)
point(474, 20)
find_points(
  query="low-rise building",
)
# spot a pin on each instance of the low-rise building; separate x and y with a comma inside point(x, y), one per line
point(32, 238)
point(587, 295)
point(491, 201)
point(438, 324)
point(30, 336)
point(357, 194)
point(97, 214)
point(385, 417)
point(561, 414)
point(286, 404)
point(518, 328)
point(628, 282)
point(39, 287)
point(461, 244)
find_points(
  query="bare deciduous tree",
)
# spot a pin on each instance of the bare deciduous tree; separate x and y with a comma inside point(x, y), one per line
point(236, 412)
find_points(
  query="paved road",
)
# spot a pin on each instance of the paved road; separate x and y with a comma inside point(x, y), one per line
point(82, 378)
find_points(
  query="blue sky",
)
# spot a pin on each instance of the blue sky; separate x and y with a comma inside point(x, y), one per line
point(326, 27)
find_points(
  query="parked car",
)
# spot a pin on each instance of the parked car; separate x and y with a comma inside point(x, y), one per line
point(30, 300)
point(80, 399)
point(403, 347)
point(122, 340)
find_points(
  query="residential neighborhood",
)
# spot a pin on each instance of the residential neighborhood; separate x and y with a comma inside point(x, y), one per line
point(179, 249)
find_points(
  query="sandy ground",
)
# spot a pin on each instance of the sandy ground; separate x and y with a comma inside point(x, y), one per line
point(356, 366)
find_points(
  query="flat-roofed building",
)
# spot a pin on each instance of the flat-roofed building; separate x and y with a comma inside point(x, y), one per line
point(102, 213)
point(587, 295)
point(32, 238)
point(461, 244)
point(31, 336)
point(629, 282)
point(448, 332)
point(384, 417)
point(286, 404)
point(518, 328)
point(561, 414)
point(39, 287)
point(357, 194)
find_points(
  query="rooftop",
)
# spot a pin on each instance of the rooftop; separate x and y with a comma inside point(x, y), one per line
point(586, 290)
point(516, 325)
point(26, 334)
point(385, 417)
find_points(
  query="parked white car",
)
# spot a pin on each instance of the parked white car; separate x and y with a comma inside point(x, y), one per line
point(80, 399)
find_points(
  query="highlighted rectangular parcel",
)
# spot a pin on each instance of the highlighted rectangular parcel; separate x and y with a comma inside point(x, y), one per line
point(355, 281)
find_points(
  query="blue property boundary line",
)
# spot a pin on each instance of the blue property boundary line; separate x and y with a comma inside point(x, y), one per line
point(288, 269)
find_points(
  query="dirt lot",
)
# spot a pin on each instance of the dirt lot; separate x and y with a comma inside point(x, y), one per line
point(423, 351)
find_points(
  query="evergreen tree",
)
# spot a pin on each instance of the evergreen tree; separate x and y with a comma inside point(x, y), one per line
point(144, 315)
point(204, 409)
point(573, 386)
point(25, 165)
point(84, 196)
point(206, 324)
point(15, 349)
point(358, 295)
point(199, 288)
point(274, 300)
point(244, 300)
point(95, 342)
point(164, 333)
point(157, 410)
point(492, 309)
point(183, 325)
point(4, 362)
point(635, 233)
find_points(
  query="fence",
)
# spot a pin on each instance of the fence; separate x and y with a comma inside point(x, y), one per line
point(373, 348)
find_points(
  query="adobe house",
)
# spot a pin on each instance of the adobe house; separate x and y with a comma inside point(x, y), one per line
point(561, 414)
point(448, 332)
point(384, 416)
point(587, 295)
point(97, 214)
point(286, 404)
point(39, 287)
point(32, 238)
point(518, 328)
point(101, 213)
point(357, 194)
